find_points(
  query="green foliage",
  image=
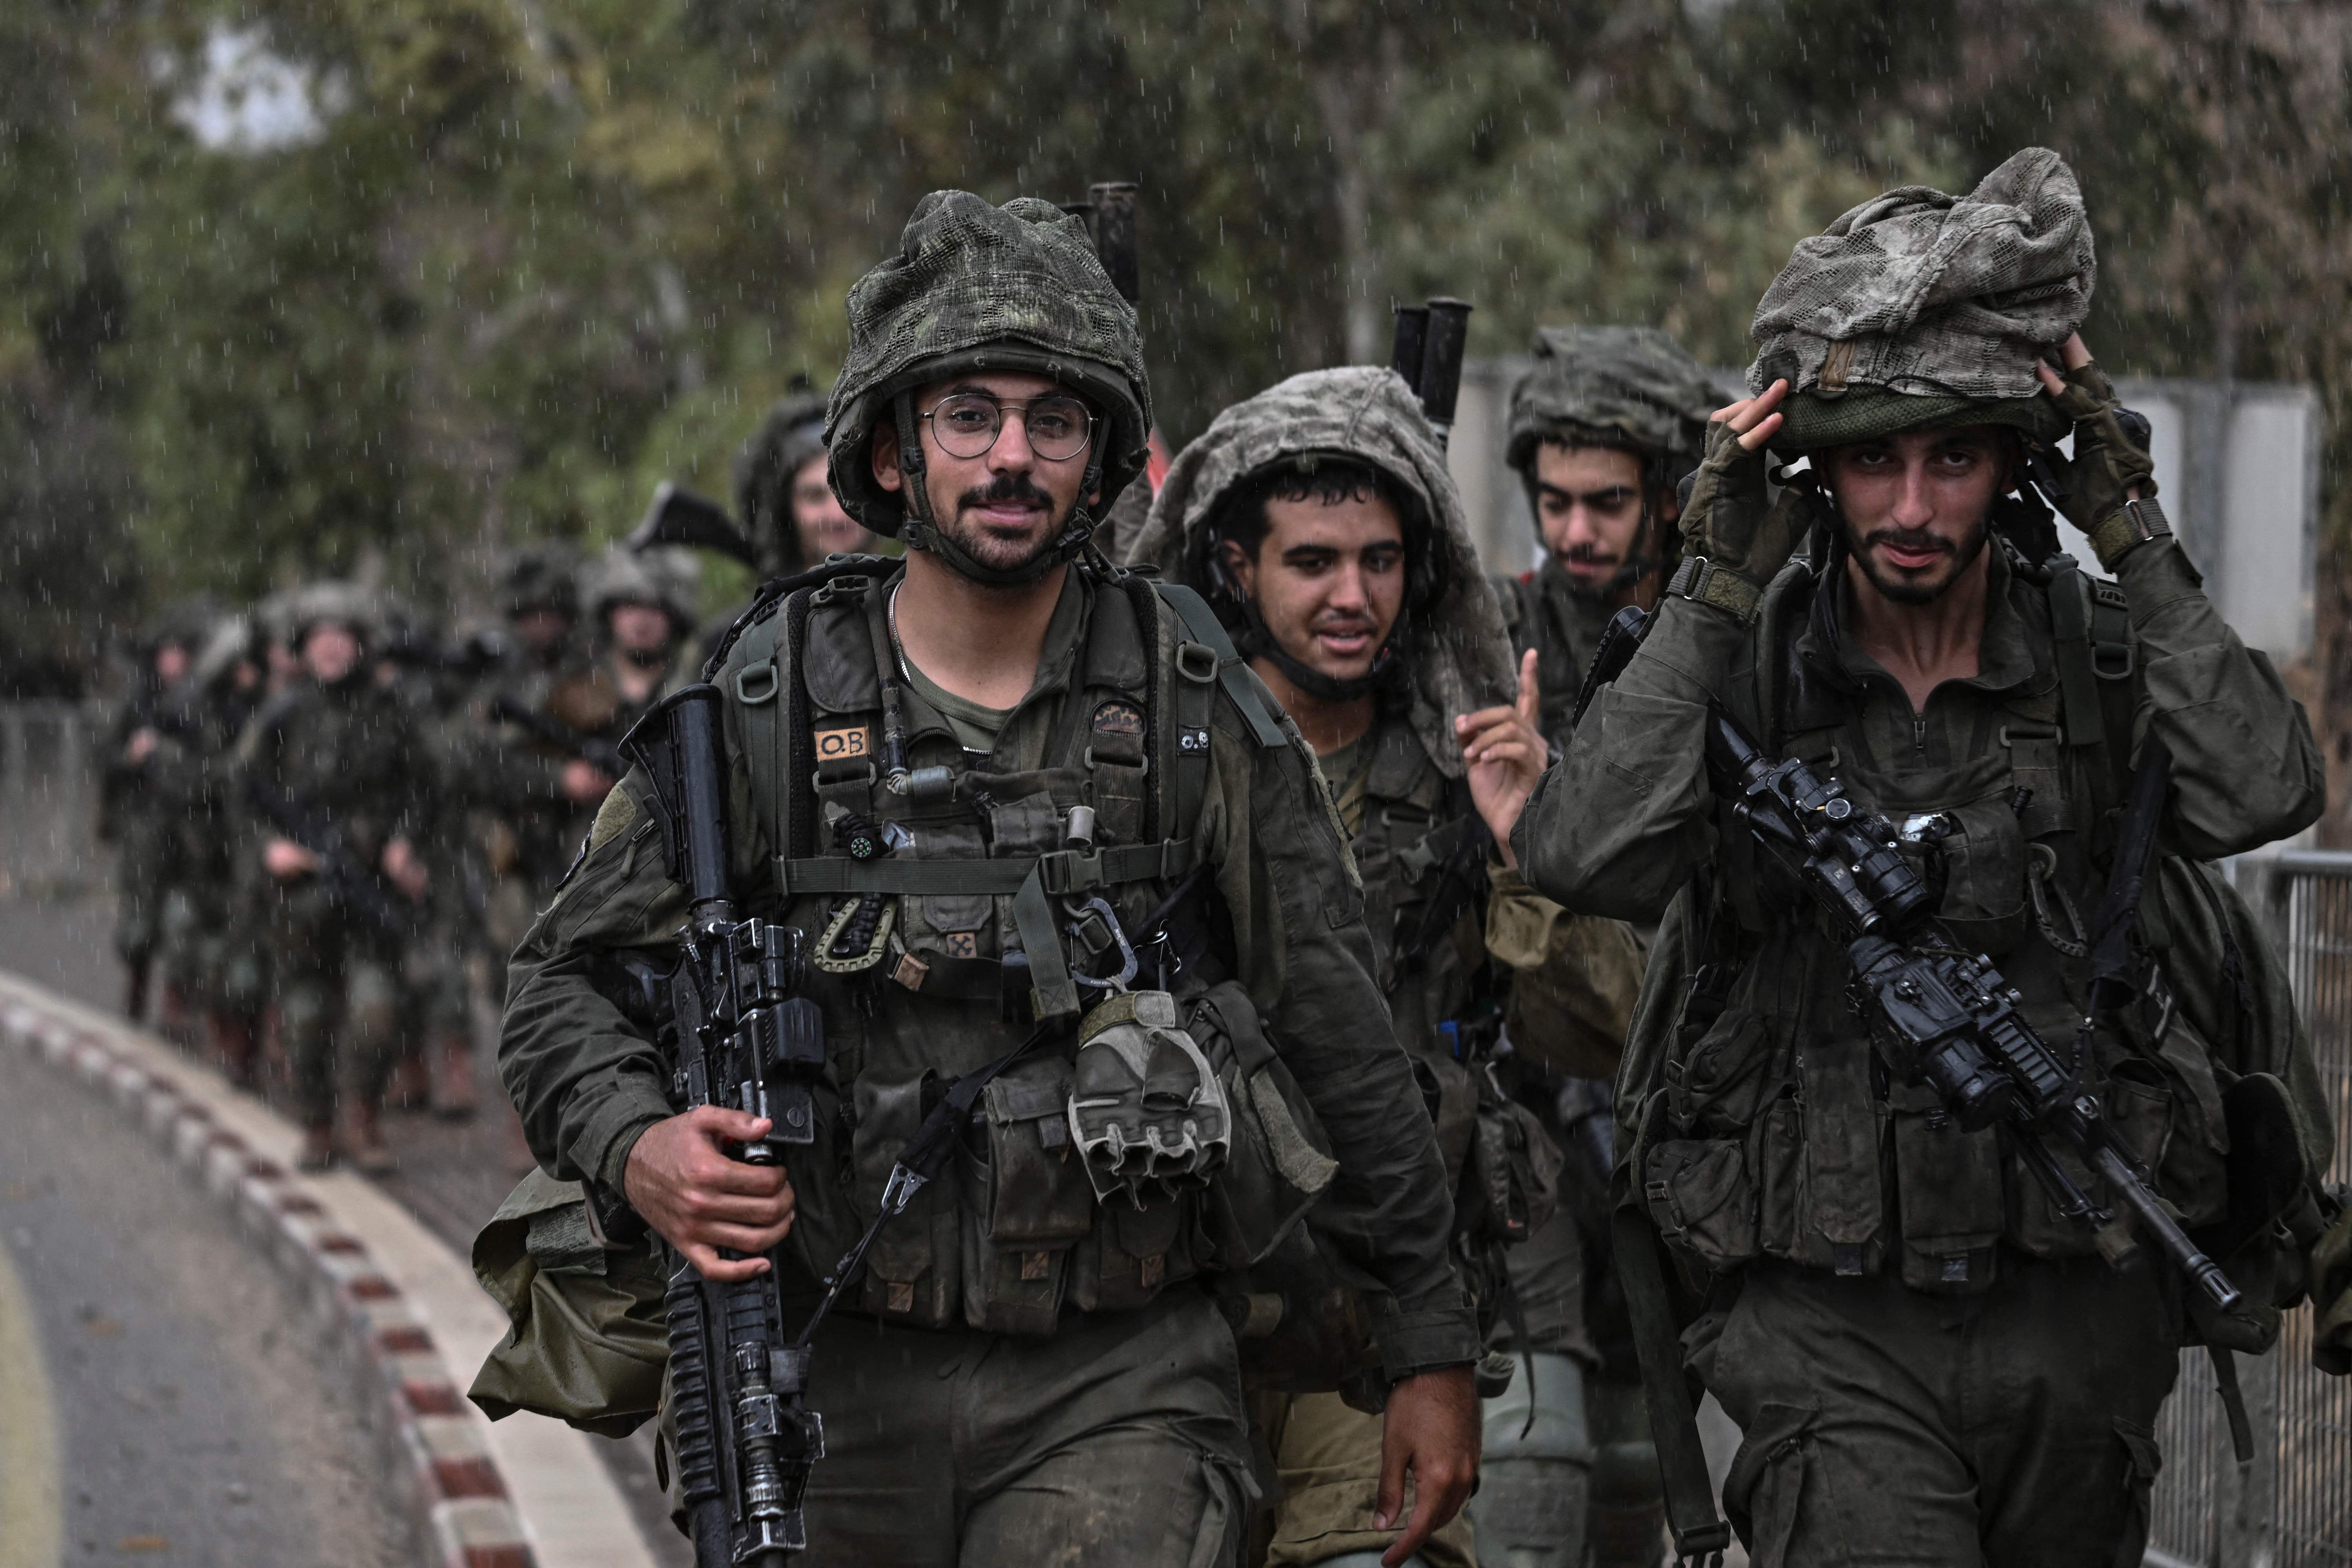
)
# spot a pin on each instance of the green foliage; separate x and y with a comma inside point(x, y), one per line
point(541, 254)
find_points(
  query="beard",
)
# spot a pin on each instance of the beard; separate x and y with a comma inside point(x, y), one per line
point(1909, 588)
point(994, 550)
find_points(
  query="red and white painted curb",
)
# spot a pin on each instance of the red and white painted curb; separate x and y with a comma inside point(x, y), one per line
point(461, 1499)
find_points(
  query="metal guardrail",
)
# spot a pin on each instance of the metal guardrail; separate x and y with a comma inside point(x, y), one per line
point(48, 800)
point(2292, 1506)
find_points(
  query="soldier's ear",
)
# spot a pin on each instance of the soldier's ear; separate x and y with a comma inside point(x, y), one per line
point(1240, 570)
point(883, 452)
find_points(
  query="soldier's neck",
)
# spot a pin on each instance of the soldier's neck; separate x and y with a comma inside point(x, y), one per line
point(1922, 646)
point(976, 640)
point(1325, 724)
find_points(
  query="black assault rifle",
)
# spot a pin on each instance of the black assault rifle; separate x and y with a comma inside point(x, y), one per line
point(348, 882)
point(746, 1438)
point(554, 733)
point(1941, 1016)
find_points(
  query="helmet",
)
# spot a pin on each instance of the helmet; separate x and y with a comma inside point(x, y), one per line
point(788, 439)
point(347, 604)
point(1919, 311)
point(666, 579)
point(1629, 387)
point(544, 575)
point(982, 287)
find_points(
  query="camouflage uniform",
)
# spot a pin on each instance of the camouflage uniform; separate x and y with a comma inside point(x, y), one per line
point(1419, 845)
point(224, 690)
point(347, 756)
point(154, 810)
point(1920, 1352)
point(1635, 390)
point(1040, 1377)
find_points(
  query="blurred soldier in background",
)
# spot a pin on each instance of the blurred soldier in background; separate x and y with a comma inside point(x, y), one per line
point(151, 794)
point(219, 951)
point(643, 608)
point(330, 769)
point(783, 495)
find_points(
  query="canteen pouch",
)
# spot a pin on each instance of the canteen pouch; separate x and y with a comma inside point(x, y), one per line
point(1281, 1161)
point(911, 1275)
point(586, 1342)
point(1032, 1202)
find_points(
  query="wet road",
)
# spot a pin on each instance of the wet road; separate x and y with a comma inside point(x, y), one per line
point(160, 1400)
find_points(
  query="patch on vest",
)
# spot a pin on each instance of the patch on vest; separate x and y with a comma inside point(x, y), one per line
point(962, 944)
point(833, 745)
point(1118, 734)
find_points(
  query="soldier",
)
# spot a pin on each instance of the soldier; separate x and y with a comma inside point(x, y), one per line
point(149, 793)
point(1603, 426)
point(331, 775)
point(1603, 429)
point(784, 496)
point(223, 692)
point(642, 606)
point(1043, 1376)
point(1924, 1355)
point(1318, 519)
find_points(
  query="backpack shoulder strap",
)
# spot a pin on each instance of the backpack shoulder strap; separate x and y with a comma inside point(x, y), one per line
point(1206, 632)
point(2091, 631)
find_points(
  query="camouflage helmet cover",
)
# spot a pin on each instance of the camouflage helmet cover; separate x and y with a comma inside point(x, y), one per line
point(980, 287)
point(347, 604)
point(1630, 387)
point(666, 579)
point(1923, 311)
point(788, 439)
point(544, 575)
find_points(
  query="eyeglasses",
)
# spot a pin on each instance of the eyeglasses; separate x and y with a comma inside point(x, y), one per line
point(967, 424)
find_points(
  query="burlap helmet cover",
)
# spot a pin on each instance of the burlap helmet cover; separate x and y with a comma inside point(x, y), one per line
point(1462, 660)
point(1919, 309)
point(1632, 387)
point(982, 287)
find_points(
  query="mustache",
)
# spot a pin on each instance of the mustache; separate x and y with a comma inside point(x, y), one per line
point(1590, 555)
point(1014, 488)
point(1915, 539)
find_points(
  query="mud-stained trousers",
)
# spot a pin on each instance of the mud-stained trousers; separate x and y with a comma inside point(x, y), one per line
point(1883, 1425)
point(338, 1003)
point(1120, 1439)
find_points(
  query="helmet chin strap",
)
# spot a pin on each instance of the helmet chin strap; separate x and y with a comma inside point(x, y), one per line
point(1257, 641)
point(922, 530)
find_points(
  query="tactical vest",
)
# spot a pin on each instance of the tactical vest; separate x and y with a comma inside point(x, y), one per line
point(948, 915)
point(1777, 1132)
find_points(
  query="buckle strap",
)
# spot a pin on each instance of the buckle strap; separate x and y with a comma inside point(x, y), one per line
point(1062, 873)
point(2134, 522)
point(1701, 579)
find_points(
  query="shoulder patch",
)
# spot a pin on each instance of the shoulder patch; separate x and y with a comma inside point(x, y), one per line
point(849, 741)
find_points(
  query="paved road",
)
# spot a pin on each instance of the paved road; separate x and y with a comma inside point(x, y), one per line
point(160, 1401)
point(453, 1176)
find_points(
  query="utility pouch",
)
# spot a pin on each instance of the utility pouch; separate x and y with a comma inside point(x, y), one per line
point(586, 1342)
point(1984, 857)
point(1511, 1185)
point(1702, 1199)
point(1840, 1219)
point(1948, 1185)
point(1280, 1160)
point(911, 1275)
point(1032, 1203)
point(1138, 1245)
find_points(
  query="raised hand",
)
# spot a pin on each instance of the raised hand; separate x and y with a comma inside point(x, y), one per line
point(1504, 754)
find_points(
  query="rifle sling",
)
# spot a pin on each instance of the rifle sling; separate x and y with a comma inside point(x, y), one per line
point(1674, 1419)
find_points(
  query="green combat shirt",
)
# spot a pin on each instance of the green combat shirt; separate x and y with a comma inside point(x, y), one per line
point(1564, 627)
point(587, 1082)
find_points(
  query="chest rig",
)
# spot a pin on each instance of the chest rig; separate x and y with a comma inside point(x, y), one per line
point(1778, 1133)
point(957, 903)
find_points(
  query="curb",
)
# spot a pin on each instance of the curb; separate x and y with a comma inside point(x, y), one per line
point(460, 1501)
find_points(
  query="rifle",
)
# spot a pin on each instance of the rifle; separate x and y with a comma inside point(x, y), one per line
point(680, 516)
point(351, 884)
point(1427, 351)
point(746, 1438)
point(1941, 1016)
point(552, 731)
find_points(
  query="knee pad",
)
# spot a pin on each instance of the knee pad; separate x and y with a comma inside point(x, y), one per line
point(1535, 1481)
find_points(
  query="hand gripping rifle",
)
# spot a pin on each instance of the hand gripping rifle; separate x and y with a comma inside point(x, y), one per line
point(746, 1439)
point(1941, 1016)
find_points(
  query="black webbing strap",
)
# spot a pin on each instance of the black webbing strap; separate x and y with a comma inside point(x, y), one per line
point(2092, 639)
point(2234, 1401)
point(1698, 1529)
point(1208, 631)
